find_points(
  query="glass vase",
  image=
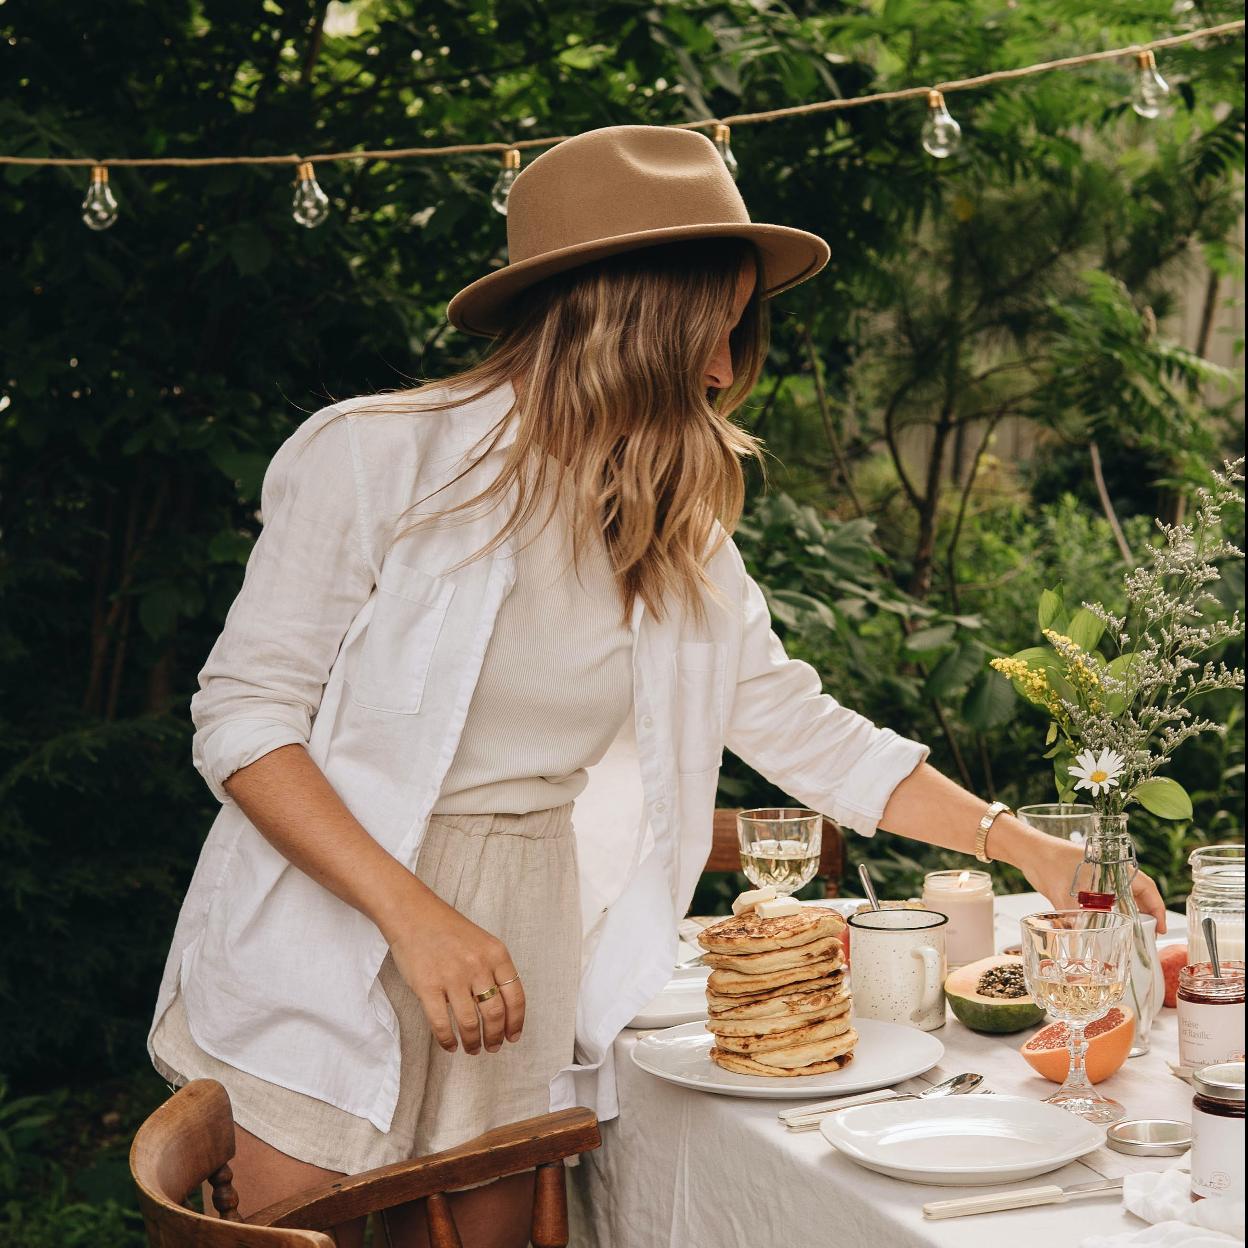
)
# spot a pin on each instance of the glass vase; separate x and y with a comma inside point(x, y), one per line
point(1103, 882)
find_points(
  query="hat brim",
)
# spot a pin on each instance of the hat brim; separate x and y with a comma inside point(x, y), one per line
point(790, 256)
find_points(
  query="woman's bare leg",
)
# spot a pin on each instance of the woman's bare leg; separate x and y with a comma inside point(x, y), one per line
point(263, 1175)
point(494, 1216)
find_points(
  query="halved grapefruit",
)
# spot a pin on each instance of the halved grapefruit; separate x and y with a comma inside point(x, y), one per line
point(1109, 1043)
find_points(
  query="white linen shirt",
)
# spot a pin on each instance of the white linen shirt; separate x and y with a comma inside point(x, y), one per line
point(365, 647)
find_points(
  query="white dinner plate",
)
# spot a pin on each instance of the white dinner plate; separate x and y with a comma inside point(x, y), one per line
point(681, 1000)
point(961, 1140)
point(885, 1054)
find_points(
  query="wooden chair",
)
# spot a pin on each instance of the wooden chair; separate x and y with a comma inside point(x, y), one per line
point(726, 850)
point(189, 1140)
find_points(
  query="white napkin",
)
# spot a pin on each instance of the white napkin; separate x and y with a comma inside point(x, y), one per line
point(1162, 1199)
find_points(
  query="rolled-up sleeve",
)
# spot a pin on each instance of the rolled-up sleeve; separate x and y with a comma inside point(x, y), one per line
point(783, 725)
point(306, 579)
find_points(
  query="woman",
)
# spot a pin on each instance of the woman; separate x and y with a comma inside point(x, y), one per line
point(470, 606)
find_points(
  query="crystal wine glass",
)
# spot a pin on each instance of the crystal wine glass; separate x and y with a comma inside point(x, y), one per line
point(1076, 963)
point(780, 846)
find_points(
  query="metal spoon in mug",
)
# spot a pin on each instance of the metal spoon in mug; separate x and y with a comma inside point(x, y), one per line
point(867, 887)
point(1210, 930)
point(808, 1117)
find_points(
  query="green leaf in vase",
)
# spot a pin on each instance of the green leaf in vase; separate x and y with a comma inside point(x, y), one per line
point(1163, 797)
point(1085, 630)
point(1050, 613)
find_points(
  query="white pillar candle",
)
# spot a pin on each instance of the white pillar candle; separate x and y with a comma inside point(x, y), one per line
point(966, 897)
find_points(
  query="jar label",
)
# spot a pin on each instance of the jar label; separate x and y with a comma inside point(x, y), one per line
point(1217, 1155)
point(1210, 1033)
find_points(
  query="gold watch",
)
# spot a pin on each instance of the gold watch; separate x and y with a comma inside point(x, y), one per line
point(985, 826)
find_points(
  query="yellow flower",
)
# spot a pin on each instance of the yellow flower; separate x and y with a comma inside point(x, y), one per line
point(1032, 682)
point(1080, 665)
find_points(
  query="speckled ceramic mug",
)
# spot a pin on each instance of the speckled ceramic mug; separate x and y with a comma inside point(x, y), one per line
point(898, 970)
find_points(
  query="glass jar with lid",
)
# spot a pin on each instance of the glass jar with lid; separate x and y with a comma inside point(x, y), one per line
point(1217, 893)
point(1218, 1131)
point(1211, 1014)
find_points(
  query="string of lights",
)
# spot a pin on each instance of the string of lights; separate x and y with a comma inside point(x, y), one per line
point(940, 135)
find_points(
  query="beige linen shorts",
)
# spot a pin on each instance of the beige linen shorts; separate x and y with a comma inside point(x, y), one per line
point(513, 875)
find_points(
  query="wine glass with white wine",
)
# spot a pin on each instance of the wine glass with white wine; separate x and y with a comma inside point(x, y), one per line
point(780, 846)
point(1076, 963)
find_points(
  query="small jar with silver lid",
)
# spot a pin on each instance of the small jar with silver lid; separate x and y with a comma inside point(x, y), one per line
point(1218, 1131)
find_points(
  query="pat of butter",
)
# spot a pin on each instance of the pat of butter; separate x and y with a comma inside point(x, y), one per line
point(751, 898)
point(778, 908)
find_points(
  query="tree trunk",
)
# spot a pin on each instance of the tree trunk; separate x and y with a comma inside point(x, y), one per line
point(925, 546)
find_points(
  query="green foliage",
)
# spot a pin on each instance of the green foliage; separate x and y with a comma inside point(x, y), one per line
point(64, 1181)
point(55, 1222)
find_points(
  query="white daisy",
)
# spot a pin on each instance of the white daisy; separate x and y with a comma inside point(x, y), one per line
point(1098, 772)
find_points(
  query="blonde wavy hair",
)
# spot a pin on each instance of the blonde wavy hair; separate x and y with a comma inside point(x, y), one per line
point(613, 356)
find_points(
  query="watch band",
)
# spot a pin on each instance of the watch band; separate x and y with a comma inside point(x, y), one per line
point(985, 826)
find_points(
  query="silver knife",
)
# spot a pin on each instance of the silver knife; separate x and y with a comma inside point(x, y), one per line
point(1020, 1198)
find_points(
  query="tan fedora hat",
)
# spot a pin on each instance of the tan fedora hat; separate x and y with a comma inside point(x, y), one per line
point(618, 189)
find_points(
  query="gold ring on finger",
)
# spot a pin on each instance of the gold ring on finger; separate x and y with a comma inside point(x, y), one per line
point(487, 994)
point(512, 980)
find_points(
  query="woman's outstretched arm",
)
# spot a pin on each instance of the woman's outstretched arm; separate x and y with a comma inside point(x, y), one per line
point(927, 806)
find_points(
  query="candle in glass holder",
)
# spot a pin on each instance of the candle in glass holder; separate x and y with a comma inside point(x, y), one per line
point(966, 898)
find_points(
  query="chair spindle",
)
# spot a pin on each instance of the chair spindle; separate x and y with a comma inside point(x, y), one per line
point(441, 1223)
point(550, 1207)
point(224, 1197)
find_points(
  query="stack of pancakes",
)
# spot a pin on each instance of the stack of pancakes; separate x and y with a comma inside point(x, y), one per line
point(778, 997)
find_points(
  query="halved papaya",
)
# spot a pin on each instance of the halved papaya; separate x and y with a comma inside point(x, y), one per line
point(991, 995)
point(1109, 1043)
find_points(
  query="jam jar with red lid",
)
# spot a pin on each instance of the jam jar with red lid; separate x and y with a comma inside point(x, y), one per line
point(1218, 1131)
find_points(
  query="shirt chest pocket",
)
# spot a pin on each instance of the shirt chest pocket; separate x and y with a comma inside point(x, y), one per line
point(700, 676)
point(408, 615)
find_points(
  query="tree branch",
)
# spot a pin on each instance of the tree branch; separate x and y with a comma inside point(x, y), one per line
point(829, 426)
point(955, 536)
point(890, 438)
point(1107, 506)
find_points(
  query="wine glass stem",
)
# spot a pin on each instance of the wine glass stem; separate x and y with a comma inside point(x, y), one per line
point(1077, 1043)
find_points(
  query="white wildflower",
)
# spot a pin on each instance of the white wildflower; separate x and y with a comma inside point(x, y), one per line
point(1098, 771)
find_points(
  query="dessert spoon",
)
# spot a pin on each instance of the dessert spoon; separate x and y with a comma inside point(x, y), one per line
point(806, 1117)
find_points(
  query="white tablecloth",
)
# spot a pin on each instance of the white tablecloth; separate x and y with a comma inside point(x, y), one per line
point(687, 1169)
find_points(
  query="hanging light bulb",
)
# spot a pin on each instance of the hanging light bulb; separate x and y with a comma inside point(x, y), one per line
point(99, 208)
point(310, 205)
point(941, 134)
point(1151, 91)
point(720, 137)
point(502, 184)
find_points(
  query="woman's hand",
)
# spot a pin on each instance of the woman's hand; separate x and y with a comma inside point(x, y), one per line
point(1050, 867)
point(445, 959)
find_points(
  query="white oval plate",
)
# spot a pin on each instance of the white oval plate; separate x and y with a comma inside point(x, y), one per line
point(961, 1140)
point(886, 1053)
point(681, 1000)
